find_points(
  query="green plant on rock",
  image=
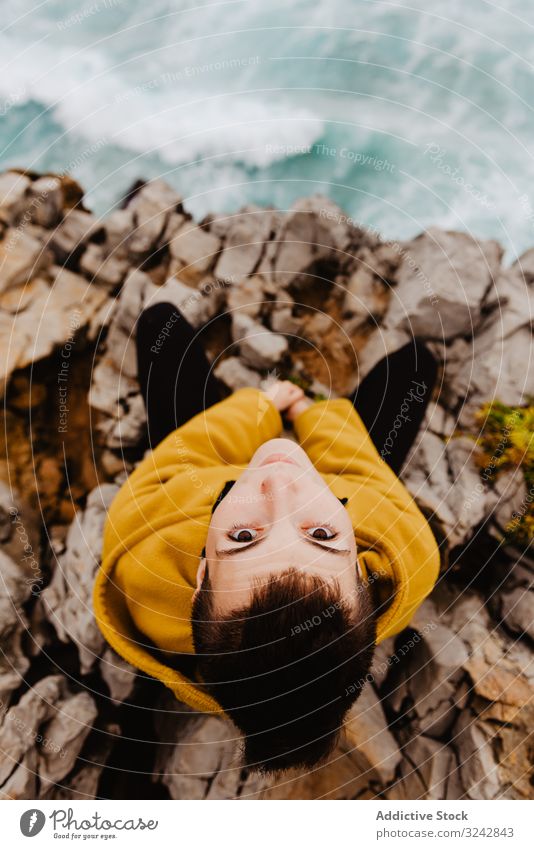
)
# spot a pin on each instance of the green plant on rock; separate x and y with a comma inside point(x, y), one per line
point(305, 385)
point(506, 441)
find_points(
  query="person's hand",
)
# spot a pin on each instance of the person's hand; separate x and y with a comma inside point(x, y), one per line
point(283, 393)
point(297, 407)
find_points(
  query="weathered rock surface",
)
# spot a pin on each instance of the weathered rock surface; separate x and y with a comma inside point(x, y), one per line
point(448, 712)
point(21, 575)
point(259, 348)
point(518, 611)
point(67, 599)
point(42, 736)
point(200, 758)
point(442, 284)
point(368, 741)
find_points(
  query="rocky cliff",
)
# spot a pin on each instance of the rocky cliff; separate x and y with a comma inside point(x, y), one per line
point(308, 294)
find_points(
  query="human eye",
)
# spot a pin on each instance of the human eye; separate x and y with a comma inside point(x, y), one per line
point(321, 531)
point(239, 533)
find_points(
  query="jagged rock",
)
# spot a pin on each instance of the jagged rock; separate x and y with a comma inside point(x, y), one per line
point(444, 479)
point(236, 375)
point(489, 366)
point(442, 282)
point(43, 734)
point(130, 428)
point(246, 237)
point(126, 425)
point(21, 575)
point(477, 763)
point(24, 723)
point(118, 674)
point(151, 207)
point(193, 251)
point(120, 342)
point(201, 760)
point(317, 327)
point(19, 298)
point(310, 234)
point(137, 293)
point(447, 649)
point(515, 756)
point(63, 737)
point(258, 347)
point(115, 232)
point(22, 783)
point(427, 685)
point(499, 672)
point(14, 191)
point(382, 661)
point(13, 592)
point(518, 611)
point(439, 421)
point(114, 465)
point(283, 320)
point(366, 290)
point(114, 388)
point(492, 363)
point(20, 535)
point(510, 303)
point(103, 394)
point(22, 257)
point(510, 493)
point(496, 677)
point(198, 306)
point(103, 269)
point(70, 237)
point(57, 314)
point(247, 296)
point(525, 265)
point(176, 220)
point(68, 598)
point(427, 771)
point(368, 741)
point(46, 201)
point(83, 782)
point(106, 260)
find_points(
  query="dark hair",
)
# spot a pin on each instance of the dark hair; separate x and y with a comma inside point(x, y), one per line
point(287, 666)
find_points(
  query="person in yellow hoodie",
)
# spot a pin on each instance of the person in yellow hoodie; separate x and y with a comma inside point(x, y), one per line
point(253, 575)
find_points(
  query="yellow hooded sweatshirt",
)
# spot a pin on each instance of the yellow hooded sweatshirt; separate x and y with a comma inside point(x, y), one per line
point(158, 522)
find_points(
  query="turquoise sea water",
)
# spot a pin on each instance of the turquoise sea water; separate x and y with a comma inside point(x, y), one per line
point(405, 113)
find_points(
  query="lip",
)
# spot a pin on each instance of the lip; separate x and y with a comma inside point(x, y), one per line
point(278, 458)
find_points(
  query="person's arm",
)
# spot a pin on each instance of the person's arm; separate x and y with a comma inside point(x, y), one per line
point(338, 443)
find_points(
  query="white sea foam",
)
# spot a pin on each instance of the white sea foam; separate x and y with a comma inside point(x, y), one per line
point(243, 101)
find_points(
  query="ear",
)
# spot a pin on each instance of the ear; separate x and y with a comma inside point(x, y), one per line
point(201, 571)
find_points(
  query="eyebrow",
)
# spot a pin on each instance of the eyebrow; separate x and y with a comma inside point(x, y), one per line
point(228, 552)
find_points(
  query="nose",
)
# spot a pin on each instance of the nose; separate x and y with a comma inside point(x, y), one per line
point(279, 482)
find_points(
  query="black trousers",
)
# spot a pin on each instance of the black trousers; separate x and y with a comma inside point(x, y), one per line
point(177, 383)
